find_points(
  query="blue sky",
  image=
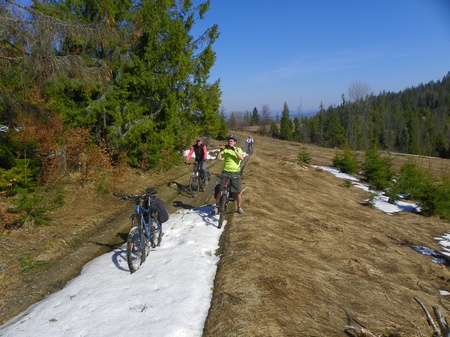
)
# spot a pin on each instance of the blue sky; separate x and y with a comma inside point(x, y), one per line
point(307, 52)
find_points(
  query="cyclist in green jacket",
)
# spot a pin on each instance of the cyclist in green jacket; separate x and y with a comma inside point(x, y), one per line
point(232, 156)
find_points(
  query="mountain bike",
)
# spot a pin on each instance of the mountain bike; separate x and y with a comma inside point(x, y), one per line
point(146, 230)
point(225, 196)
point(197, 180)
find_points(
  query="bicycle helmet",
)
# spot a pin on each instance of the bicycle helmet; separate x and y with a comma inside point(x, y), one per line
point(232, 137)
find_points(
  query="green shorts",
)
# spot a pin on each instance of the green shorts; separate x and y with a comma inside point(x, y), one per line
point(235, 181)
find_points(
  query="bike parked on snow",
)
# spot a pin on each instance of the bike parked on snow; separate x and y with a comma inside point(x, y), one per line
point(146, 226)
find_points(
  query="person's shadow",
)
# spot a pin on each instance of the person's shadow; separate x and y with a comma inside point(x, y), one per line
point(180, 204)
point(182, 189)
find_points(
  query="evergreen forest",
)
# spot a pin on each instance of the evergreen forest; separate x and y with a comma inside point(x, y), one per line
point(105, 81)
point(415, 121)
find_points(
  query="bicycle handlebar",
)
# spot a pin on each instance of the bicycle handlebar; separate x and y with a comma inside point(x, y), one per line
point(150, 192)
point(131, 196)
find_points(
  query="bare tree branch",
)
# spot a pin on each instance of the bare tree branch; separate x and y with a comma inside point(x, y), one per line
point(442, 321)
point(429, 318)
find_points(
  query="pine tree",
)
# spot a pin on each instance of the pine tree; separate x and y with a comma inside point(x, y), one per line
point(377, 169)
point(286, 127)
point(254, 119)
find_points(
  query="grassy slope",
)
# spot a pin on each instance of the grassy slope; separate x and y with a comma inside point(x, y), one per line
point(307, 258)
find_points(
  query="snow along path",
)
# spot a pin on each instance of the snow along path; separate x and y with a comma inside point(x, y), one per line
point(168, 296)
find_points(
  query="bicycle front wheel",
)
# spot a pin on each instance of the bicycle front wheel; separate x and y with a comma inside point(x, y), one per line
point(135, 249)
point(194, 186)
point(222, 209)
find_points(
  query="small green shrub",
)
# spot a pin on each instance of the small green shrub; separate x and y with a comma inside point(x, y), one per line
point(435, 199)
point(31, 205)
point(443, 204)
point(346, 161)
point(35, 206)
point(304, 156)
point(101, 182)
point(18, 177)
point(370, 202)
point(433, 196)
point(27, 264)
point(377, 169)
point(347, 183)
point(413, 180)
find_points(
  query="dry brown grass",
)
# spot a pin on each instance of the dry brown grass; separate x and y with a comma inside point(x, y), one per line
point(305, 259)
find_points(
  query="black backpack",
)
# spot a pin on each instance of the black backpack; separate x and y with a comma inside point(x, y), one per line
point(160, 207)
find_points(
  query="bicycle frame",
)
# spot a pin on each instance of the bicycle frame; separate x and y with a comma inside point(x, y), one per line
point(148, 221)
point(225, 190)
point(140, 211)
point(225, 197)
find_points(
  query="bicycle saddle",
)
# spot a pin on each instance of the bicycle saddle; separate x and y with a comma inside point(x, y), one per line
point(150, 191)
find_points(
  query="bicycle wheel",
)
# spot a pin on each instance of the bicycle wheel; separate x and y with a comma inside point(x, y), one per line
point(194, 185)
point(202, 184)
point(156, 236)
point(135, 249)
point(222, 209)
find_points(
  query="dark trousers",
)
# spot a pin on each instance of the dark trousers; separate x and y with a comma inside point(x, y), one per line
point(201, 167)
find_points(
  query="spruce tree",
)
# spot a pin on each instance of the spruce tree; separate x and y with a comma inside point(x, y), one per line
point(286, 126)
point(254, 119)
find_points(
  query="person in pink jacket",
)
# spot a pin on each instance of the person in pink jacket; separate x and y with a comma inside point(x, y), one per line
point(201, 156)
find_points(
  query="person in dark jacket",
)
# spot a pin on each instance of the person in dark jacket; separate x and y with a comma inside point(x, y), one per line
point(201, 156)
